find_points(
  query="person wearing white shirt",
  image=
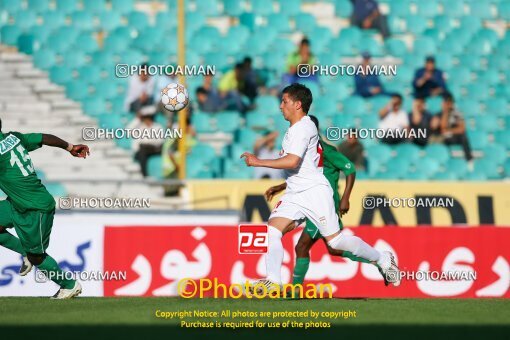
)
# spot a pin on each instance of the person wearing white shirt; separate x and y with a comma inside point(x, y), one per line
point(308, 193)
point(140, 91)
point(394, 121)
point(265, 148)
point(150, 144)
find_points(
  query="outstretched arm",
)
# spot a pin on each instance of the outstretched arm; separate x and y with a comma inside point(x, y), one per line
point(80, 150)
point(288, 161)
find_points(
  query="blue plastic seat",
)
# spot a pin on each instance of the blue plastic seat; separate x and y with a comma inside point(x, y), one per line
point(354, 106)
point(379, 152)
point(155, 167)
point(503, 138)
point(371, 46)
point(90, 74)
point(11, 6)
point(445, 176)
point(459, 74)
point(262, 7)
point(56, 189)
point(434, 104)
point(94, 6)
point(254, 120)
point(477, 91)
point(194, 20)
point(504, 11)
point(488, 168)
point(44, 59)
point(495, 153)
point(396, 47)
point(427, 166)
point(400, 8)
point(138, 20)
point(74, 58)
point(105, 89)
point(25, 19)
point(428, 9)
point(67, 6)
point(424, 46)
point(228, 121)
point(481, 9)
point(10, 34)
point(453, 8)
point(458, 165)
point(201, 122)
point(325, 105)
point(206, 152)
point(469, 24)
point(409, 151)
point(77, 90)
point(94, 106)
point(233, 8)
point(111, 121)
point(122, 6)
point(443, 23)
point(304, 21)
point(496, 106)
point(438, 152)
point(416, 24)
point(343, 8)
point(343, 121)
point(247, 138)
point(477, 139)
point(60, 75)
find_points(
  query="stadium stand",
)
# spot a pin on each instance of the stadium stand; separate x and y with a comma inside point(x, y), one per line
point(78, 44)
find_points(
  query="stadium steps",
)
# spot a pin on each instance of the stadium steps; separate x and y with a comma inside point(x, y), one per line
point(30, 102)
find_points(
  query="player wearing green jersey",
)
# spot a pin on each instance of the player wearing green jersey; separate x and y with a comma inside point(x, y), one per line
point(29, 207)
point(332, 162)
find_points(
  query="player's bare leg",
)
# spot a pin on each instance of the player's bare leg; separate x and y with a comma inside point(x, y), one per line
point(13, 243)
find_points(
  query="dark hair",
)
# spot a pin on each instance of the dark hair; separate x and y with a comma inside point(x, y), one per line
point(315, 121)
point(299, 92)
point(397, 95)
point(238, 66)
point(201, 90)
point(448, 97)
point(247, 60)
point(305, 41)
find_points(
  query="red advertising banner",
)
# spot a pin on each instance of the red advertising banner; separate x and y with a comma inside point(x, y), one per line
point(435, 262)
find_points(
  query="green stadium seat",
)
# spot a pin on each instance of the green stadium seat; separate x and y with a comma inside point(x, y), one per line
point(122, 6)
point(155, 167)
point(400, 8)
point(443, 23)
point(343, 8)
point(204, 152)
point(61, 75)
point(396, 47)
point(201, 122)
point(44, 59)
point(503, 138)
point(397, 25)
point(439, 152)
point(428, 9)
point(131, 57)
point(67, 6)
point(257, 121)
point(279, 22)
point(304, 21)
point(424, 46)
point(10, 6)
point(495, 153)
point(237, 169)
point(372, 46)
point(336, 91)
point(409, 151)
point(94, 106)
point(262, 7)
point(355, 106)
point(325, 105)
point(86, 43)
point(369, 122)
point(77, 90)
point(416, 24)
point(53, 19)
point(475, 176)
point(469, 24)
point(9, 34)
point(89, 74)
point(111, 121)
point(247, 138)
point(496, 106)
point(434, 104)
point(233, 8)
point(105, 89)
point(208, 7)
point(94, 6)
point(477, 139)
point(138, 20)
point(453, 8)
point(109, 21)
point(460, 75)
point(74, 58)
point(124, 143)
point(228, 121)
point(25, 19)
point(457, 165)
point(486, 167)
point(481, 9)
point(445, 176)
point(343, 121)
point(339, 47)
point(427, 166)
point(504, 11)
point(379, 152)
point(477, 91)
point(82, 20)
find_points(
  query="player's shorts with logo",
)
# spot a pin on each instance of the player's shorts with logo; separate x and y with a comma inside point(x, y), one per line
point(312, 230)
point(315, 204)
point(33, 227)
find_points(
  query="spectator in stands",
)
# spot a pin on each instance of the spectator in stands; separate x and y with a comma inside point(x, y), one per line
point(144, 148)
point(366, 15)
point(229, 87)
point(249, 89)
point(208, 101)
point(265, 148)
point(353, 150)
point(453, 127)
point(393, 121)
point(367, 85)
point(140, 91)
point(303, 55)
point(429, 80)
point(421, 120)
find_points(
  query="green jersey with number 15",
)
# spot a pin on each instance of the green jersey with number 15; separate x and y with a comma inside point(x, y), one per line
point(18, 179)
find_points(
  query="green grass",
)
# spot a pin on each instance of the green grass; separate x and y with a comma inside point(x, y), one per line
point(141, 311)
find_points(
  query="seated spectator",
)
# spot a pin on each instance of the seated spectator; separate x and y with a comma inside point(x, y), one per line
point(421, 120)
point(140, 91)
point(208, 101)
point(303, 55)
point(429, 80)
point(144, 148)
point(250, 88)
point(393, 121)
point(453, 127)
point(353, 150)
point(366, 15)
point(265, 149)
point(229, 87)
point(367, 85)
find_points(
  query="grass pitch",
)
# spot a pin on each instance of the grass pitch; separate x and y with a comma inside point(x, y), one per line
point(418, 318)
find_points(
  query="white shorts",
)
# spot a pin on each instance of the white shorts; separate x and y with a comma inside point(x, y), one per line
point(315, 203)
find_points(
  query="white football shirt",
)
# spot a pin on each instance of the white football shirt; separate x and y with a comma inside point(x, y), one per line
point(302, 139)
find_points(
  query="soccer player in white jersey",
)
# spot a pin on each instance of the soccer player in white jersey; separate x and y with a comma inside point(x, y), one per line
point(308, 193)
